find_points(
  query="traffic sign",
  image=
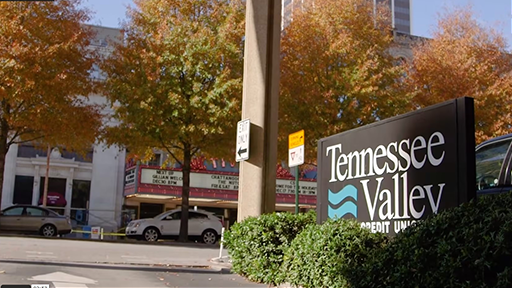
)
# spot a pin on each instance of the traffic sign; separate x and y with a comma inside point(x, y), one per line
point(296, 139)
point(296, 149)
point(242, 140)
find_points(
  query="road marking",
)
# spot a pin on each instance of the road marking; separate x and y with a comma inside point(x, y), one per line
point(41, 256)
point(38, 252)
point(64, 280)
point(68, 285)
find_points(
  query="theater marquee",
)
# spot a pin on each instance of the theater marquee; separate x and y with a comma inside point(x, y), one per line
point(216, 181)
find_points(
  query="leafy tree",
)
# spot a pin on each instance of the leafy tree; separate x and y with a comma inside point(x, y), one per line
point(44, 70)
point(336, 71)
point(176, 81)
point(465, 59)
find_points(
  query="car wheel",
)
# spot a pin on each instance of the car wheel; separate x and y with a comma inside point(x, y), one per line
point(151, 234)
point(48, 230)
point(209, 236)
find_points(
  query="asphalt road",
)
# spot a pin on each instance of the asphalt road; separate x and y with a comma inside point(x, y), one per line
point(88, 276)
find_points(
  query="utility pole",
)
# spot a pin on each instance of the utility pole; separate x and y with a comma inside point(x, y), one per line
point(257, 189)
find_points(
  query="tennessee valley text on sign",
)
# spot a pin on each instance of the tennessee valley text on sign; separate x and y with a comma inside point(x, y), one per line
point(397, 171)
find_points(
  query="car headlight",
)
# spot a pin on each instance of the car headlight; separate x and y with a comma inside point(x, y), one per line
point(136, 225)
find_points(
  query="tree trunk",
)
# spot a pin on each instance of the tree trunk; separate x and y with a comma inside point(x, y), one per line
point(185, 192)
point(3, 153)
point(46, 178)
point(4, 148)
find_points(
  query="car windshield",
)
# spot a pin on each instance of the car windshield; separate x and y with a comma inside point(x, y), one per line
point(161, 215)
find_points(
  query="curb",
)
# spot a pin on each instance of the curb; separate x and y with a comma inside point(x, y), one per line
point(160, 243)
point(214, 269)
point(223, 263)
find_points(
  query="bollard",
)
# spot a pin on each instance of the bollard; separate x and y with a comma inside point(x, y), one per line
point(101, 233)
point(221, 242)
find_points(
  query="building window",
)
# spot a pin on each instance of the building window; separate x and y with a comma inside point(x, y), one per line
point(402, 22)
point(81, 193)
point(156, 160)
point(80, 201)
point(23, 188)
point(96, 74)
point(128, 214)
point(150, 210)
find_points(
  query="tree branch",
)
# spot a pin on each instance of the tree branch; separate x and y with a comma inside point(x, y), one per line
point(173, 156)
point(167, 148)
point(25, 141)
point(195, 150)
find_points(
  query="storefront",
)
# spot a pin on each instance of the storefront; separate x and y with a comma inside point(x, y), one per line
point(86, 188)
point(150, 190)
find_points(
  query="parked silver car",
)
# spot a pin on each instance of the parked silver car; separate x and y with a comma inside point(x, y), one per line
point(201, 224)
point(34, 219)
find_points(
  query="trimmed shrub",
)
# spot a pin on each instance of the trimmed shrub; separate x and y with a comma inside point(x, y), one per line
point(466, 246)
point(323, 255)
point(257, 244)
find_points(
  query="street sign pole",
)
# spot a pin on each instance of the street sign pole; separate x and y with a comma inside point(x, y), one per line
point(296, 189)
point(296, 158)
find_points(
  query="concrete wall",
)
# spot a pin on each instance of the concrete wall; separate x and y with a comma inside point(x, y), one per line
point(106, 186)
point(9, 176)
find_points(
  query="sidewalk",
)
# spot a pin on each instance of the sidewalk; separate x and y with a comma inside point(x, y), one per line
point(96, 252)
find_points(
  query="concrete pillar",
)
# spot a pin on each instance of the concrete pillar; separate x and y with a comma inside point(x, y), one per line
point(9, 176)
point(256, 194)
point(37, 185)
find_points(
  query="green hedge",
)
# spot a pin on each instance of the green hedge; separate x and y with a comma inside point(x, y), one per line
point(467, 246)
point(323, 255)
point(257, 244)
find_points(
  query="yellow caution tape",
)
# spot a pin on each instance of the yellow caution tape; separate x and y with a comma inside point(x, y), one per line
point(104, 233)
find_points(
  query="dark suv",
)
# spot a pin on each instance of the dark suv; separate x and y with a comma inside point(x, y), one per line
point(493, 165)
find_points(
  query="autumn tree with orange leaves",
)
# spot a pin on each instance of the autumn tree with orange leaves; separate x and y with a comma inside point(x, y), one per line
point(336, 71)
point(465, 59)
point(44, 76)
point(176, 82)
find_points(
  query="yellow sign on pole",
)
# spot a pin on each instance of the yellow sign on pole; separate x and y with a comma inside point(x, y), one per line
point(296, 139)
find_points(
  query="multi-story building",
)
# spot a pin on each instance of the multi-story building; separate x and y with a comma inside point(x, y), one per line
point(401, 10)
point(89, 189)
point(289, 7)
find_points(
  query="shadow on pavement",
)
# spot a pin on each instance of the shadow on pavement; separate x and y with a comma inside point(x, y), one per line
point(124, 266)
